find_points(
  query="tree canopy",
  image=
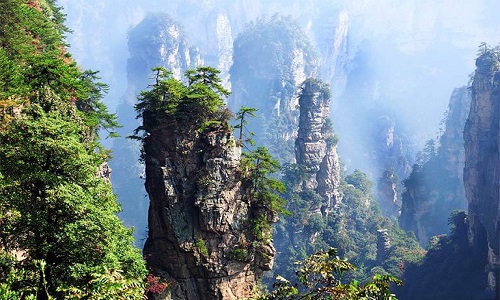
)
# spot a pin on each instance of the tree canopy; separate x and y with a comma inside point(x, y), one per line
point(320, 276)
point(60, 237)
point(200, 101)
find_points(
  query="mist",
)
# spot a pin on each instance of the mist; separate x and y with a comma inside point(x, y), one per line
point(415, 52)
point(388, 62)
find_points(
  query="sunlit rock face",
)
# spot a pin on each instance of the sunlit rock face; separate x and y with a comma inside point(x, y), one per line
point(219, 44)
point(159, 41)
point(199, 217)
point(272, 58)
point(482, 161)
point(315, 148)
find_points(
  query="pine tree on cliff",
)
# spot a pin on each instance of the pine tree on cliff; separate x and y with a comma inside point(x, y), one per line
point(211, 207)
point(60, 237)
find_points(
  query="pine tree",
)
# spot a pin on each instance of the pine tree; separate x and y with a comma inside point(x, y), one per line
point(60, 237)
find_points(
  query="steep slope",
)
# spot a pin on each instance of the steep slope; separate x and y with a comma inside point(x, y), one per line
point(435, 187)
point(313, 183)
point(272, 57)
point(156, 41)
point(482, 161)
point(470, 251)
point(315, 146)
point(209, 232)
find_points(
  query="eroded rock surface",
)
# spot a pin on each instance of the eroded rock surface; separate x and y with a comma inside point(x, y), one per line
point(482, 161)
point(315, 146)
point(199, 215)
point(435, 186)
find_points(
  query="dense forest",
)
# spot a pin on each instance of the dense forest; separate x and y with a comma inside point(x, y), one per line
point(60, 234)
point(251, 192)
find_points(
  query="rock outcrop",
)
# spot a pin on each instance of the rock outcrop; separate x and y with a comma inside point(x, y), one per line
point(388, 193)
point(157, 41)
point(451, 141)
point(435, 187)
point(383, 245)
point(204, 236)
point(482, 161)
point(315, 146)
point(272, 58)
point(393, 163)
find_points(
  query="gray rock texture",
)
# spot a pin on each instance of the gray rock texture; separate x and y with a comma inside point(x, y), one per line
point(482, 160)
point(199, 215)
point(315, 147)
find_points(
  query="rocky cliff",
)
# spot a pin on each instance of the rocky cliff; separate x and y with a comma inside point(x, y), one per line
point(313, 183)
point(482, 161)
point(272, 58)
point(209, 231)
point(435, 186)
point(159, 41)
point(315, 146)
point(451, 141)
point(390, 155)
point(156, 41)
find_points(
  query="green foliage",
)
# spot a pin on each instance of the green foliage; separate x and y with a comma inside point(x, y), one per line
point(199, 102)
point(34, 60)
point(108, 285)
point(57, 214)
point(360, 181)
point(239, 254)
point(320, 277)
point(244, 135)
point(96, 112)
point(60, 211)
point(450, 254)
point(201, 246)
point(488, 60)
point(263, 190)
point(351, 228)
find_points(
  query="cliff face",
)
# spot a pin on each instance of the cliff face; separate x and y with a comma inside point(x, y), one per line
point(451, 148)
point(159, 41)
point(390, 154)
point(482, 161)
point(199, 215)
point(315, 147)
point(435, 186)
point(313, 183)
point(388, 193)
point(272, 58)
point(156, 41)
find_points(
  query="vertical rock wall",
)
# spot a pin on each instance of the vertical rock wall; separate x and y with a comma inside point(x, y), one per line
point(272, 58)
point(199, 215)
point(482, 161)
point(156, 41)
point(315, 148)
point(435, 186)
